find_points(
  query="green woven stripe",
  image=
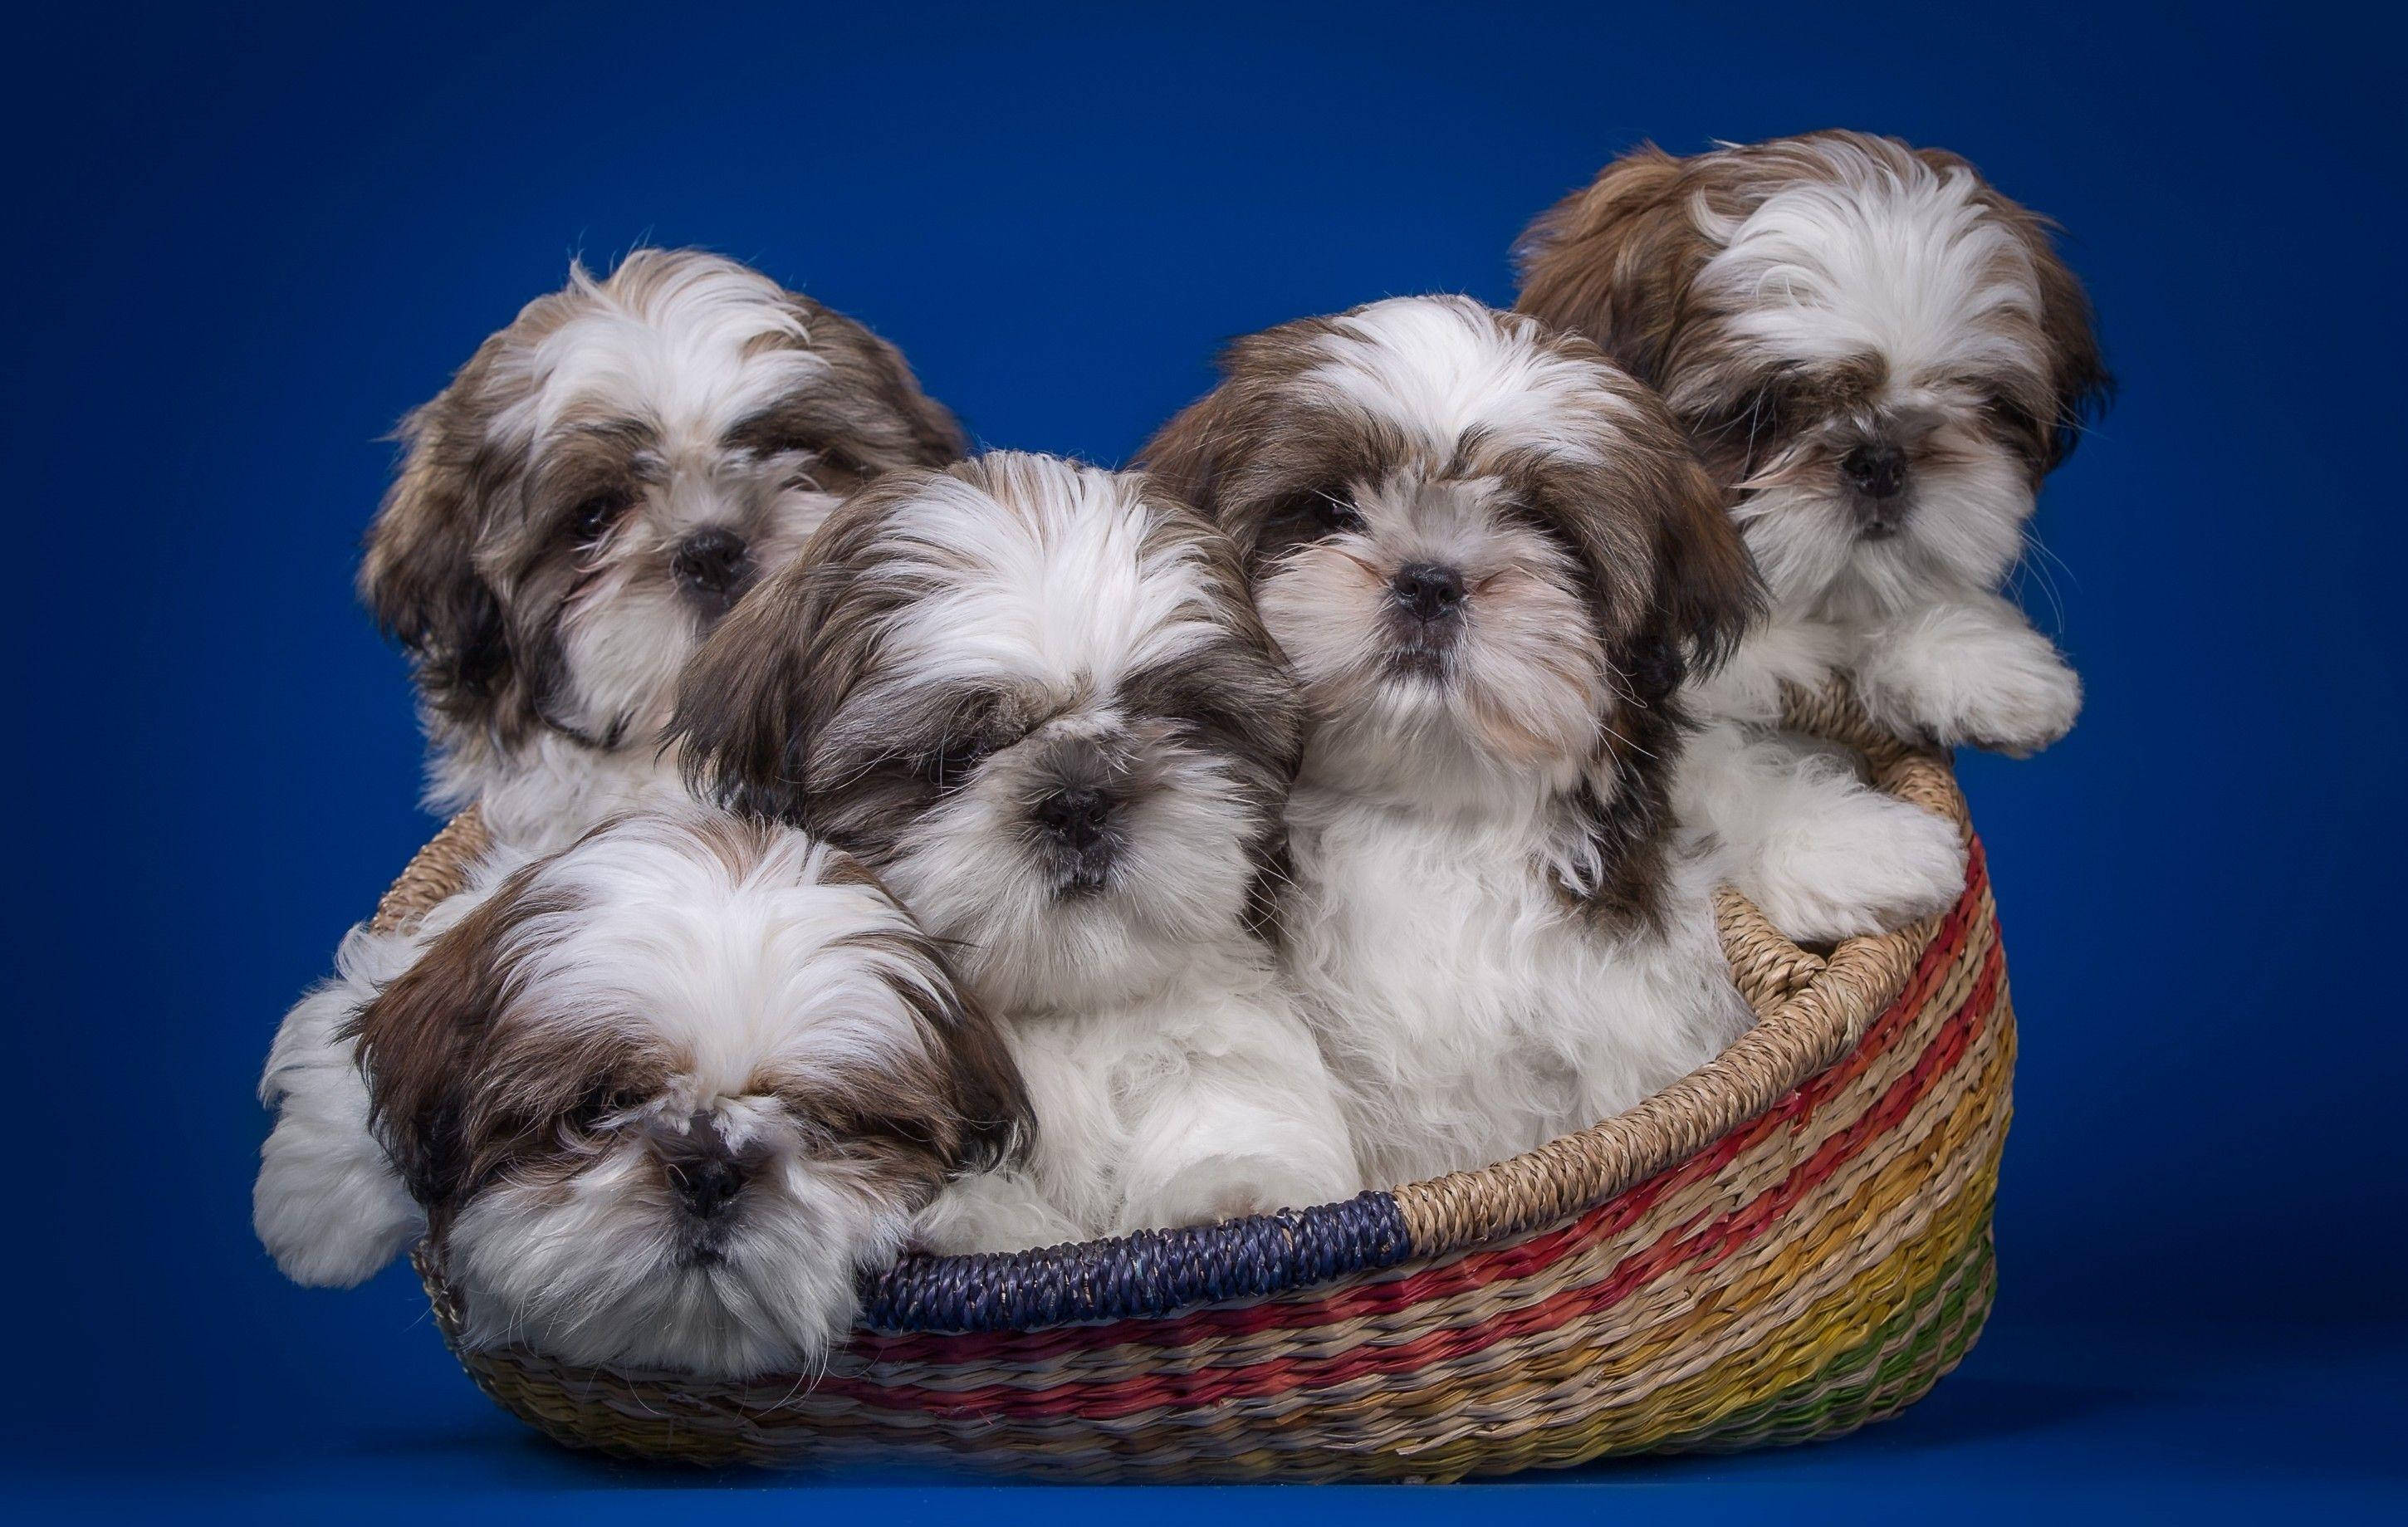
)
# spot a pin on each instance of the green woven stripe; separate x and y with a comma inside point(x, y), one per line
point(1897, 1365)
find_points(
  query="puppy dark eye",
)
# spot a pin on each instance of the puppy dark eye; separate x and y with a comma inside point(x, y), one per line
point(599, 1104)
point(1763, 411)
point(594, 516)
point(1335, 512)
point(953, 763)
point(2010, 416)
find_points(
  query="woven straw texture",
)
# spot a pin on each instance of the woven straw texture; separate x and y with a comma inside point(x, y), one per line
point(1786, 1245)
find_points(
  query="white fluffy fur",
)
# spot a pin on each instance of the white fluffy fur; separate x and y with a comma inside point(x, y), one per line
point(732, 979)
point(1468, 1014)
point(1433, 368)
point(1795, 830)
point(1469, 1011)
point(1172, 1079)
point(328, 1205)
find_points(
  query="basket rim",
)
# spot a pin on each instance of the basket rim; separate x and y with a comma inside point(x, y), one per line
point(1810, 1009)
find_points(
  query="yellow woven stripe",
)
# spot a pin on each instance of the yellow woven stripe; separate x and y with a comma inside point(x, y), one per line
point(1868, 1383)
point(1639, 1376)
point(1768, 1363)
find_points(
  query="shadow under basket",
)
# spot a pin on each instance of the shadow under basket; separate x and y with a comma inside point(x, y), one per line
point(1786, 1245)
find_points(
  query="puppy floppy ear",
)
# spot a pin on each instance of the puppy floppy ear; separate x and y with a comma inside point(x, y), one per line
point(907, 428)
point(998, 1123)
point(420, 1044)
point(2080, 385)
point(419, 576)
point(969, 1106)
point(743, 717)
point(1614, 260)
point(1187, 457)
point(1708, 595)
point(762, 683)
point(2078, 372)
point(1653, 506)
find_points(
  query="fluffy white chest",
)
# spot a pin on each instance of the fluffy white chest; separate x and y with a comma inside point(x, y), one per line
point(1468, 1010)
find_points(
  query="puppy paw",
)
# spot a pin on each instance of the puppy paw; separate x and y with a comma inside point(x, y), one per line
point(998, 1210)
point(1749, 687)
point(327, 1206)
point(1968, 676)
point(1865, 863)
point(2028, 710)
point(1229, 1186)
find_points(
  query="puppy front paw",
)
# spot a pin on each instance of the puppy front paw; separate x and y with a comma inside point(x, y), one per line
point(1866, 863)
point(1966, 675)
point(1231, 1187)
point(1749, 687)
point(327, 1206)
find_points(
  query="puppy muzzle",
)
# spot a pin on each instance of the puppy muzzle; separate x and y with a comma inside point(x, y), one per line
point(1077, 812)
point(1875, 475)
point(706, 1175)
point(712, 568)
point(1425, 611)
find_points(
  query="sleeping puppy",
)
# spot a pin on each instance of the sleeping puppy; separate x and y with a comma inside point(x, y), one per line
point(1880, 358)
point(1493, 562)
point(1032, 696)
point(658, 1097)
point(594, 488)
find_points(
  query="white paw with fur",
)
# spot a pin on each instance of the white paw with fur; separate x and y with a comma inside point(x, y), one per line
point(1863, 863)
point(1821, 853)
point(1799, 653)
point(1231, 1186)
point(1969, 673)
point(328, 1205)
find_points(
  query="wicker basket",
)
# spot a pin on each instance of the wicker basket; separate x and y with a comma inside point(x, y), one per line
point(1786, 1245)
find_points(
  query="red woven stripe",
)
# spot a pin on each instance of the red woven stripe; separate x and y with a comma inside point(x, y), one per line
point(1481, 1266)
point(1711, 1240)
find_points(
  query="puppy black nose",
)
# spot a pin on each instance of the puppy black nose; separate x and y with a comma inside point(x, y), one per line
point(705, 1182)
point(1076, 815)
point(711, 562)
point(1877, 471)
point(1429, 592)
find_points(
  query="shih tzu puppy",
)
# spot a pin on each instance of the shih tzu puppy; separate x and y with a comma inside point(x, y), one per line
point(592, 491)
point(1033, 696)
point(1879, 357)
point(1493, 562)
point(659, 1097)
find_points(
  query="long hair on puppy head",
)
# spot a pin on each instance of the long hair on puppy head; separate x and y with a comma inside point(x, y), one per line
point(1877, 354)
point(1031, 693)
point(664, 1095)
point(1492, 558)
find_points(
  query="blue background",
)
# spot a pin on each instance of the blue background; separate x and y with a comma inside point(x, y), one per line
point(245, 244)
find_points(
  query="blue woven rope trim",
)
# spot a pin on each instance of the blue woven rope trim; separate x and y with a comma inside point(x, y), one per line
point(1151, 1273)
